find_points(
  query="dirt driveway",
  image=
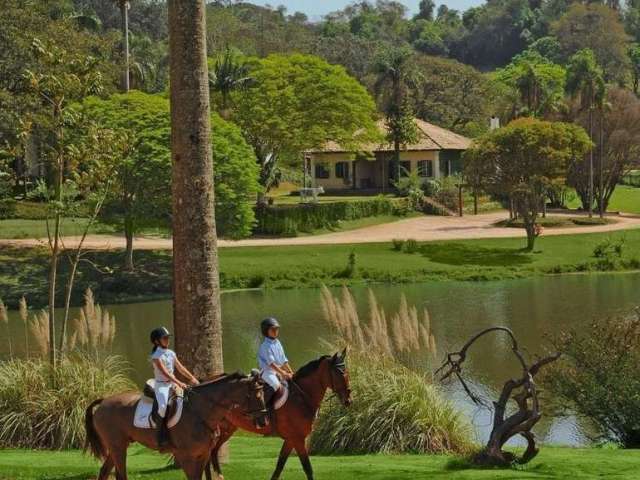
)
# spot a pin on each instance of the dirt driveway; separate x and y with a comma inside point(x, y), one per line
point(419, 228)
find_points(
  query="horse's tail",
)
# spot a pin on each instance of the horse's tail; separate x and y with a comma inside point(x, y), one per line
point(93, 441)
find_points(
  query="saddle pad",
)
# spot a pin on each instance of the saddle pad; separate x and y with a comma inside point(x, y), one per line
point(279, 403)
point(142, 417)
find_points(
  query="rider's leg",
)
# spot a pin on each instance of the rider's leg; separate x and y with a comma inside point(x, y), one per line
point(162, 396)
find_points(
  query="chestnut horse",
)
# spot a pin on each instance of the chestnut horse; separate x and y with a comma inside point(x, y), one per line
point(110, 428)
point(293, 422)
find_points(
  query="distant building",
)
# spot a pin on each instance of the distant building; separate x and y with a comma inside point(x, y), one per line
point(436, 154)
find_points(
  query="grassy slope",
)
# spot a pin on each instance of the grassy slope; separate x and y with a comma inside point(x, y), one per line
point(625, 199)
point(24, 271)
point(253, 458)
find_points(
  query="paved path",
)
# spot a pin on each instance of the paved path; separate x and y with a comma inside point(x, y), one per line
point(419, 228)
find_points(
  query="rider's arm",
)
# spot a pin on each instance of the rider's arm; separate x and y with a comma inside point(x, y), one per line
point(158, 363)
point(283, 373)
point(184, 371)
point(288, 368)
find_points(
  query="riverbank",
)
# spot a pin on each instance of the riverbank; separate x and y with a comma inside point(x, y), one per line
point(24, 270)
point(253, 457)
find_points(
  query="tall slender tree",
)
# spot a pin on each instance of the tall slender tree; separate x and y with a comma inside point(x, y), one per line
point(123, 5)
point(585, 79)
point(196, 289)
point(394, 77)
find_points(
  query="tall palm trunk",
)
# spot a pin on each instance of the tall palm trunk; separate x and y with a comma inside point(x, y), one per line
point(591, 161)
point(196, 292)
point(124, 25)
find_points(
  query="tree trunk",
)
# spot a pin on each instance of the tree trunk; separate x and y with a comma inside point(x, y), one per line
point(128, 233)
point(601, 209)
point(196, 291)
point(124, 20)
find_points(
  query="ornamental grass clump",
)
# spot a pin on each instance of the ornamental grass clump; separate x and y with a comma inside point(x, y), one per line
point(396, 407)
point(41, 408)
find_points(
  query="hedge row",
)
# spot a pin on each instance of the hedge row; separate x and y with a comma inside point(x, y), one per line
point(7, 208)
point(293, 219)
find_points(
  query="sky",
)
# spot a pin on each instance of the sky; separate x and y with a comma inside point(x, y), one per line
point(316, 8)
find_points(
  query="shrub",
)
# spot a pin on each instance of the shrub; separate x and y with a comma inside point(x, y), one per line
point(40, 408)
point(609, 249)
point(411, 246)
point(7, 208)
point(293, 219)
point(397, 244)
point(598, 376)
point(396, 409)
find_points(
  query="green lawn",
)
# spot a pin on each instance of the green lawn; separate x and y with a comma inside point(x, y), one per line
point(254, 458)
point(27, 228)
point(24, 270)
point(625, 199)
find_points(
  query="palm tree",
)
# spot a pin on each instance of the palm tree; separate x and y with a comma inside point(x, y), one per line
point(394, 77)
point(229, 73)
point(585, 79)
point(196, 289)
point(123, 5)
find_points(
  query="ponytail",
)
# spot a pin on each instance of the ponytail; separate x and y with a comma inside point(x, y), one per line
point(155, 347)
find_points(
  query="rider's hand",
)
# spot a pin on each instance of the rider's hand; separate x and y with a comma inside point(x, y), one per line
point(288, 375)
point(182, 385)
point(195, 381)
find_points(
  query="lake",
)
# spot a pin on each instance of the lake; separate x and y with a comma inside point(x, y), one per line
point(532, 308)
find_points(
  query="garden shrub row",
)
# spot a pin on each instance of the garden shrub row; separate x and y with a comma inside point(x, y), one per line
point(290, 220)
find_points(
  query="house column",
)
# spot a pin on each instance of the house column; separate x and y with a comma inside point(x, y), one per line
point(436, 165)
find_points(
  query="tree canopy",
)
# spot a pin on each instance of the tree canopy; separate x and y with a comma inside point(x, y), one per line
point(143, 189)
point(300, 102)
point(523, 159)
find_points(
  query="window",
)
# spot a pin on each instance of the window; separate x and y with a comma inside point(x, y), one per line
point(425, 168)
point(322, 171)
point(342, 170)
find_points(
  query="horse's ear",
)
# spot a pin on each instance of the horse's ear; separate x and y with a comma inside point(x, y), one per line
point(343, 355)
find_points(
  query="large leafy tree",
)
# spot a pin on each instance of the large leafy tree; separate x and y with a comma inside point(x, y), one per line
point(453, 95)
point(300, 102)
point(522, 160)
point(598, 28)
point(585, 82)
point(538, 83)
point(141, 190)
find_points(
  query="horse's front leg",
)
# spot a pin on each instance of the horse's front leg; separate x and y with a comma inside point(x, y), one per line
point(301, 448)
point(193, 467)
point(282, 459)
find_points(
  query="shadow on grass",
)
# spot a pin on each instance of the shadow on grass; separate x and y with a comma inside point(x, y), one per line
point(460, 464)
point(463, 254)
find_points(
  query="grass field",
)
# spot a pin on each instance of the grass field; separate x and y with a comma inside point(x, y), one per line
point(254, 458)
point(24, 228)
point(24, 270)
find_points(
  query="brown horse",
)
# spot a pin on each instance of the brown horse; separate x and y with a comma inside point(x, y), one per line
point(110, 428)
point(294, 421)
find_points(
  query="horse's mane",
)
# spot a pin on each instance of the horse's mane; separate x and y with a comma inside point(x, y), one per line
point(310, 367)
point(223, 378)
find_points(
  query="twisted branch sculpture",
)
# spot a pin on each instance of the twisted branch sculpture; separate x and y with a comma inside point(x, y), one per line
point(521, 390)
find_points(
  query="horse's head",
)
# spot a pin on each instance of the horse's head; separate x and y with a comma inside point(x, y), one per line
point(256, 407)
point(339, 377)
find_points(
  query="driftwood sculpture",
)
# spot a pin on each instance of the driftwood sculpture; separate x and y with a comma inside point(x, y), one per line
point(521, 390)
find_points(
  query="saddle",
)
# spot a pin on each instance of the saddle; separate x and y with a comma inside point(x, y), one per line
point(149, 392)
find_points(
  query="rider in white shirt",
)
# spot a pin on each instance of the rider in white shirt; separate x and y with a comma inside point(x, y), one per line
point(165, 363)
point(271, 357)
